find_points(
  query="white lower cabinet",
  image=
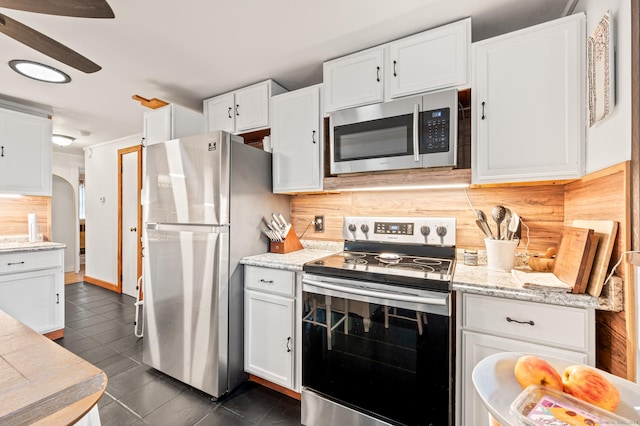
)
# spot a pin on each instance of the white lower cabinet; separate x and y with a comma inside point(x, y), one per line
point(489, 325)
point(32, 288)
point(270, 331)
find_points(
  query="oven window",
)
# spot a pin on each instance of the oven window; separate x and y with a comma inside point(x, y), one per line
point(386, 137)
point(392, 363)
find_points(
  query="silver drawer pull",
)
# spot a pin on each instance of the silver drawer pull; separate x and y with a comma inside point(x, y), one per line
point(530, 322)
point(262, 280)
point(15, 263)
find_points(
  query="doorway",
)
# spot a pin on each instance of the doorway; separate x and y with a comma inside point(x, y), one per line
point(63, 220)
point(129, 219)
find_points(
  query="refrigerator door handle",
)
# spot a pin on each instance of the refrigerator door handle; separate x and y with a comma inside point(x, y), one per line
point(179, 227)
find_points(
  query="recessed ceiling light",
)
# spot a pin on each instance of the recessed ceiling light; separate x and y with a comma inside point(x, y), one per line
point(62, 140)
point(38, 71)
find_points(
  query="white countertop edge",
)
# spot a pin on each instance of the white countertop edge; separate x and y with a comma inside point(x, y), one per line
point(17, 247)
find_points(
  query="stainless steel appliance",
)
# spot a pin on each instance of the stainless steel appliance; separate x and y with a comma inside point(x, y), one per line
point(415, 132)
point(378, 329)
point(203, 204)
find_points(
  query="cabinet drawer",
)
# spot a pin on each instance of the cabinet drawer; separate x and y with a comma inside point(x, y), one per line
point(29, 261)
point(528, 321)
point(272, 280)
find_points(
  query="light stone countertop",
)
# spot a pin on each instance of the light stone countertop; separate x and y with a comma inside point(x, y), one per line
point(293, 261)
point(480, 280)
point(20, 243)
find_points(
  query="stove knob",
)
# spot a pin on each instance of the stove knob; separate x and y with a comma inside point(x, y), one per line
point(441, 231)
point(352, 227)
point(364, 228)
point(425, 230)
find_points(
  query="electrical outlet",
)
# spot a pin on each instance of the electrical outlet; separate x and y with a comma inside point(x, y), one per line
point(319, 222)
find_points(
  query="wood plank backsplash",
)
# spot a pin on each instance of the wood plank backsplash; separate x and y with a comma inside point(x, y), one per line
point(541, 208)
point(13, 215)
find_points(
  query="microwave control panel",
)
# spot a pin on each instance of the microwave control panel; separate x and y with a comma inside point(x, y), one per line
point(435, 128)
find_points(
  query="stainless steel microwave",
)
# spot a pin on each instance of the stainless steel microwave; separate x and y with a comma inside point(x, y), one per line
point(416, 132)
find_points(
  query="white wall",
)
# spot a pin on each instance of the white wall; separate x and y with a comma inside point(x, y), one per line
point(609, 141)
point(68, 167)
point(101, 208)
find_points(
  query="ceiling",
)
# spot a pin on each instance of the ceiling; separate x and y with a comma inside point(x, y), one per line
point(184, 52)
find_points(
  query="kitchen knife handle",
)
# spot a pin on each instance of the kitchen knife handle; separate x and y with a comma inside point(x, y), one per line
point(530, 322)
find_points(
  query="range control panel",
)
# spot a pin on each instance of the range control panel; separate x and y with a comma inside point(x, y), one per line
point(393, 228)
point(410, 230)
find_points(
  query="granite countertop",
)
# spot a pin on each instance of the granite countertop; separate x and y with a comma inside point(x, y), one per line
point(293, 261)
point(480, 280)
point(20, 243)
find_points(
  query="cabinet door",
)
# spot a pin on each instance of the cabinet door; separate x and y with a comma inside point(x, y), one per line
point(528, 101)
point(252, 107)
point(476, 347)
point(269, 337)
point(219, 113)
point(430, 60)
point(25, 154)
point(157, 125)
point(354, 80)
point(34, 298)
point(297, 141)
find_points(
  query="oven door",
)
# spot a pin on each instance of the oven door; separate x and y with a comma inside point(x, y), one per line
point(385, 355)
point(383, 136)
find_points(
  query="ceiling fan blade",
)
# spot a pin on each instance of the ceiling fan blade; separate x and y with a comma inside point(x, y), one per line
point(75, 8)
point(46, 45)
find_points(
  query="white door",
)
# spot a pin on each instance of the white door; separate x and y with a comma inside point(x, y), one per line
point(219, 113)
point(63, 220)
point(252, 107)
point(130, 221)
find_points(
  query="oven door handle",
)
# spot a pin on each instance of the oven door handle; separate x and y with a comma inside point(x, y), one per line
point(371, 293)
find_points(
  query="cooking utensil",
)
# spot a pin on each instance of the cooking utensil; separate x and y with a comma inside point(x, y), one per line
point(498, 213)
point(483, 223)
point(484, 228)
point(505, 223)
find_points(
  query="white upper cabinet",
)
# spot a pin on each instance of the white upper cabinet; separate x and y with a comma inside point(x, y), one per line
point(297, 141)
point(529, 104)
point(25, 153)
point(171, 122)
point(430, 60)
point(354, 80)
point(242, 110)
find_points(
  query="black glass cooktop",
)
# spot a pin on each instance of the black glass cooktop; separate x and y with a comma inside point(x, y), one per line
point(388, 268)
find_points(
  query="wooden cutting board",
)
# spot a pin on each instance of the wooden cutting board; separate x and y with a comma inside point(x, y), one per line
point(606, 231)
point(575, 257)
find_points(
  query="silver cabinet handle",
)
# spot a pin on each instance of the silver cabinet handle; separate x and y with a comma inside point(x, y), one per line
point(262, 280)
point(288, 344)
point(530, 322)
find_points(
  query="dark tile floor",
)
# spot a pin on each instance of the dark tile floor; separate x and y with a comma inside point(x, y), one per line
point(99, 328)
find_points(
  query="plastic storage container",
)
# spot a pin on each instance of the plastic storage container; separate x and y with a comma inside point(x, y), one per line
point(540, 406)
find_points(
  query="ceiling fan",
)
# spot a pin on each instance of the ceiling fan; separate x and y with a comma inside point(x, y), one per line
point(43, 44)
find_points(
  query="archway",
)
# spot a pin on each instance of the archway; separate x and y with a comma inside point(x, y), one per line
point(63, 220)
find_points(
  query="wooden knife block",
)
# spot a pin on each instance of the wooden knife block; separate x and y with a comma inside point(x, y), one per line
point(290, 243)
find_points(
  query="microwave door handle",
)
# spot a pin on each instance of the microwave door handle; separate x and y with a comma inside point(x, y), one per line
point(416, 137)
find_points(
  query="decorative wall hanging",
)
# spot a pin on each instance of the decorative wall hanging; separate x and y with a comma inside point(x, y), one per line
point(600, 69)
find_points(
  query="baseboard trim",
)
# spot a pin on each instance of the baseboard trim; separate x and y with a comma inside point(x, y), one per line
point(274, 386)
point(100, 283)
point(54, 335)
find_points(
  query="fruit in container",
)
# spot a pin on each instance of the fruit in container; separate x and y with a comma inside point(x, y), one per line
point(588, 385)
point(533, 370)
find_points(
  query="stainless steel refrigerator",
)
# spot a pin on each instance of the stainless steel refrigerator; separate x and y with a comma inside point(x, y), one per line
point(204, 198)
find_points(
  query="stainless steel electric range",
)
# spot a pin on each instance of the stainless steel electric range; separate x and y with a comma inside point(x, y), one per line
point(377, 326)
